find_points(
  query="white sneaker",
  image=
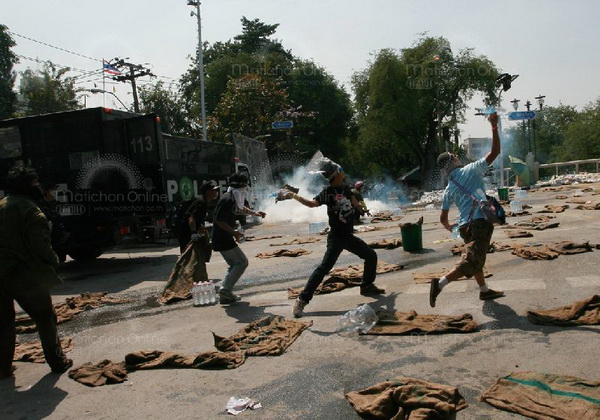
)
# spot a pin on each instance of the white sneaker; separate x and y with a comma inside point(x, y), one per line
point(299, 307)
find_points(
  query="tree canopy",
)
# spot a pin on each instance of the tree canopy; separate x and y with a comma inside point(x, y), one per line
point(48, 90)
point(405, 99)
point(7, 75)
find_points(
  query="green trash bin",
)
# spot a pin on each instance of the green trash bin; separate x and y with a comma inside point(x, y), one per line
point(412, 237)
point(503, 194)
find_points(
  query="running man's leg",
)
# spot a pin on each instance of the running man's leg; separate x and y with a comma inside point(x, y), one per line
point(334, 248)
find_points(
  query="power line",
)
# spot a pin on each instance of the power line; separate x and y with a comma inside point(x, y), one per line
point(52, 46)
point(38, 60)
point(69, 51)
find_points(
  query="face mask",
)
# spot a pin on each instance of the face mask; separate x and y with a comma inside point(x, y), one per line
point(240, 196)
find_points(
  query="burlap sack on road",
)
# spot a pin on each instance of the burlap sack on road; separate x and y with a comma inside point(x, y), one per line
point(33, 352)
point(156, 359)
point(299, 241)
point(425, 278)
point(262, 238)
point(407, 399)
point(592, 206)
point(514, 234)
point(550, 251)
point(458, 249)
point(582, 312)
point(341, 278)
point(99, 374)
point(72, 306)
point(534, 252)
point(189, 269)
point(569, 247)
point(407, 323)
point(549, 208)
point(283, 253)
point(268, 336)
point(386, 244)
point(544, 396)
point(382, 216)
point(537, 224)
point(523, 213)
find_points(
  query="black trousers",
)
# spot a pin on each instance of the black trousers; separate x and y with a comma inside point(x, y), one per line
point(335, 245)
point(38, 305)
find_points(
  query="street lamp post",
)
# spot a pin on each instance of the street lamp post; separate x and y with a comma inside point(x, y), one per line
point(540, 101)
point(200, 64)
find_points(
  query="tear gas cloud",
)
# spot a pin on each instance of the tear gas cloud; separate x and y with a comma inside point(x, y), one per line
point(381, 195)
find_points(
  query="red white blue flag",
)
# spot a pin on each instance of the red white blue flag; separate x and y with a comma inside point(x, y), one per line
point(108, 68)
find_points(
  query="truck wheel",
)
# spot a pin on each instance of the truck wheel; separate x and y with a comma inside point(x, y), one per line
point(85, 254)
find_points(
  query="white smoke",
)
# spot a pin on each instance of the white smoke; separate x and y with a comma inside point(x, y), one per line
point(310, 183)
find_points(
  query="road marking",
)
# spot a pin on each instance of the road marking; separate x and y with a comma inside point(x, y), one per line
point(457, 286)
point(584, 281)
point(518, 284)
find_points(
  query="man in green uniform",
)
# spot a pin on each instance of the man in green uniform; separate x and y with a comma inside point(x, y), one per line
point(27, 270)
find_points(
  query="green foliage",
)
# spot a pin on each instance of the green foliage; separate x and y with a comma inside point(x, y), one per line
point(320, 108)
point(47, 91)
point(545, 134)
point(167, 105)
point(403, 97)
point(582, 136)
point(248, 107)
point(7, 75)
point(326, 110)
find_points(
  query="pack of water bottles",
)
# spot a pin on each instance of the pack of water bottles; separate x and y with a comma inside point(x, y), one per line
point(204, 294)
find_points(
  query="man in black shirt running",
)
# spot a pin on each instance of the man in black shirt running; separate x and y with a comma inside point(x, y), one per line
point(341, 205)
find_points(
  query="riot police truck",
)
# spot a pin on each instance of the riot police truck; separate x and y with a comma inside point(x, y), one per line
point(116, 175)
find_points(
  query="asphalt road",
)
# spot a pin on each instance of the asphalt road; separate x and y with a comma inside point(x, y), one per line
point(310, 379)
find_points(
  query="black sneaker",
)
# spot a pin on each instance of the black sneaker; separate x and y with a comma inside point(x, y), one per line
point(491, 294)
point(434, 291)
point(371, 290)
point(67, 363)
point(227, 297)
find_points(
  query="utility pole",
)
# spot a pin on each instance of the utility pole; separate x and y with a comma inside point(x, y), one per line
point(135, 71)
point(196, 4)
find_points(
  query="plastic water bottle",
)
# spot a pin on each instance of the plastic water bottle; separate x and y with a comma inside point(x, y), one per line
point(455, 233)
point(196, 294)
point(241, 231)
point(203, 292)
point(357, 321)
point(212, 295)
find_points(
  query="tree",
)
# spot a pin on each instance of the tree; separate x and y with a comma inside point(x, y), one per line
point(582, 136)
point(248, 107)
point(168, 106)
point(551, 126)
point(404, 99)
point(250, 52)
point(7, 75)
point(48, 91)
point(326, 109)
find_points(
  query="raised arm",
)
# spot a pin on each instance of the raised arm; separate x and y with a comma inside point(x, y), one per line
point(495, 140)
point(300, 199)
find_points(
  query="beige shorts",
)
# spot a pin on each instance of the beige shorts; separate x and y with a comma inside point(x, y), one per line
point(477, 236)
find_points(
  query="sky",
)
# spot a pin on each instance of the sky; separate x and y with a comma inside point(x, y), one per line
point(550, 44)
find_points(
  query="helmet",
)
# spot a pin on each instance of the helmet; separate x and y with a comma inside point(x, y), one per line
point(360, 185)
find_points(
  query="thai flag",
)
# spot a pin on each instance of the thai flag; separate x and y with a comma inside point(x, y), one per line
point(110, 69)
